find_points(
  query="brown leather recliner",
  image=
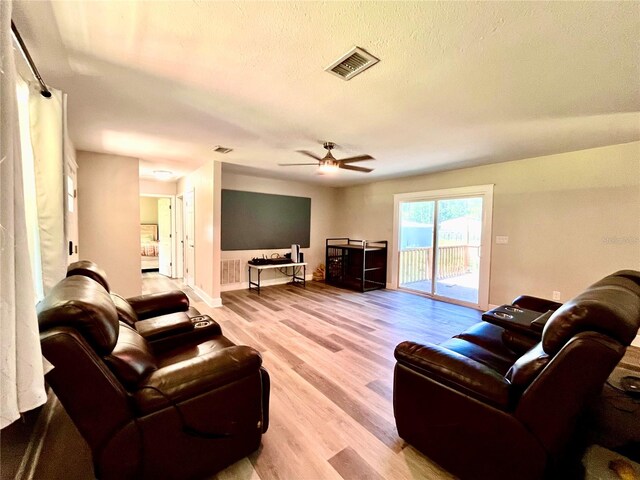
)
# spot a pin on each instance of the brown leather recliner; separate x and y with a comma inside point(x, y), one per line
point(481, 411)
point(185, 413)
point(166, 319)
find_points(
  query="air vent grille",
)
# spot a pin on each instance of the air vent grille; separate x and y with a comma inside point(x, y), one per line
point(352, 63)
point(229, 272)
point(221, 149)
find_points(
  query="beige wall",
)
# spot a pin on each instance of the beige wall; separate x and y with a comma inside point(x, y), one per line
point(154, 187)
point(322, 221)
point(109, 217)
point(205, 182)
point(571, 218)
point(149, 210)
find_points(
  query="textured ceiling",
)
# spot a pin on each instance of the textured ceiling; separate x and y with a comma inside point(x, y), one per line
point(458, 83)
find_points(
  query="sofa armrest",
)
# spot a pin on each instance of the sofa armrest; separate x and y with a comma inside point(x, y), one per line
point(156, 304)
point(539, 323)
point(174, 383)
point(535, 303)
point(456, 371)
point(164, 326)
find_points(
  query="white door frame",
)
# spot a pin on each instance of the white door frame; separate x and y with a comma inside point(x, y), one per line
point(173, 222)
point(190, 278)
point(486, 192)
point(179, 232)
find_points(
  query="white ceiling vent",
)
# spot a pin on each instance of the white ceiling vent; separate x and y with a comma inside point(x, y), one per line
point(352, 63)
point(221, 149)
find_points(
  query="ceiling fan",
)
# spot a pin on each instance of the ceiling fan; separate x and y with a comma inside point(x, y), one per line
point(330, 164)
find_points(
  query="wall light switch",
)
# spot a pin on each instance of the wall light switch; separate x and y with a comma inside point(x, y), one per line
point(555, 295)
point(502, 239)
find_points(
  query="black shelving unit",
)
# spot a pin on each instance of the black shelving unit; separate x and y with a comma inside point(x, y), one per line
point(356, 264)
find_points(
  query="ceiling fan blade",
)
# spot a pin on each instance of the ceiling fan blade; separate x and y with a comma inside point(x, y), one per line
point(309, 154)
point(356, 169)
point(359, 158)
point(293, 164)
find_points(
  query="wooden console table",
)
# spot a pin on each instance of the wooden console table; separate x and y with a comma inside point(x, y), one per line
point(295, 270)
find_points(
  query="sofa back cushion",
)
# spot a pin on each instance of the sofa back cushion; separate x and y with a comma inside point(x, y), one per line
point(126, 313)
point(611, 307)
point(131, 361)
point(89, 269)
point(527, 367)
point(84, 305)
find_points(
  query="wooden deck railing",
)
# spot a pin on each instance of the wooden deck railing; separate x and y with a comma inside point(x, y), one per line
point(416, 263)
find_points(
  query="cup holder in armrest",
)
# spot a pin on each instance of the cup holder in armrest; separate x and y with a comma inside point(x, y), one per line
point(513, 309)
point(503, 315)
point(202, 324)
point(201, 321)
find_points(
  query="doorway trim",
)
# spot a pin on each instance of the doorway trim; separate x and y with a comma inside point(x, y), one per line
point(179, 243)
point(485, 191)
point(172, 248)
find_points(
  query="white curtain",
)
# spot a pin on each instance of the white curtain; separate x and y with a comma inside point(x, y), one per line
point(21, 366)
point(29, 183)
point(46, 131)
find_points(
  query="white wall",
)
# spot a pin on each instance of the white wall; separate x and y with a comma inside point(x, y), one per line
point(205, 182)
point(571, 218)
point(323, 206)
point(109, 218)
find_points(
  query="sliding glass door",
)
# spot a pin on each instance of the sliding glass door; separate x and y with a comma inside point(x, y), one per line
point(439, 247)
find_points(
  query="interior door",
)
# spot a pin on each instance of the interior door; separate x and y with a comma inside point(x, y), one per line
point(189, 239)
point(164, 236)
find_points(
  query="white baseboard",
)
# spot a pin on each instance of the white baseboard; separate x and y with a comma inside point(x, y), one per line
point(209, 300)
point(636, 342)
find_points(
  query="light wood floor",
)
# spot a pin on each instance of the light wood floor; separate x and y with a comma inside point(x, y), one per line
point(330, 356)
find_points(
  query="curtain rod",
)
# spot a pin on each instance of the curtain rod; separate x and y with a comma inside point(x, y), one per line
point(44, 91)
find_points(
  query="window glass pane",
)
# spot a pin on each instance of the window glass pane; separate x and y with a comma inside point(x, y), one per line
point(416, 245)
point(459, 230)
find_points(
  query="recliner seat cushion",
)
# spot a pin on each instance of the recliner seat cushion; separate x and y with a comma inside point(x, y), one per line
point(489, 337)
point(475, 352)
point(191, 351)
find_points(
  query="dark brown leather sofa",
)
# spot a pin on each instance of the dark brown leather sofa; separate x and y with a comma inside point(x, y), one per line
point(185, 412)
point(484, 411)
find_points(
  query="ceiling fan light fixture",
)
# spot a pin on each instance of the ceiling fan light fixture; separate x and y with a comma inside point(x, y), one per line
point(328, 168)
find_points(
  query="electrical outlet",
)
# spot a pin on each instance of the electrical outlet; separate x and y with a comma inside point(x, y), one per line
point(502, 239)
point(556, 295)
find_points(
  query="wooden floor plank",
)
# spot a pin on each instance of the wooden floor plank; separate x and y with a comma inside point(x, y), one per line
point(381, 388)
point(351, 466)
point(323, 342)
